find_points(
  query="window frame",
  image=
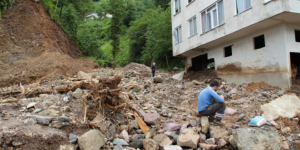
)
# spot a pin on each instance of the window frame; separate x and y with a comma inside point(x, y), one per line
point(216, 5)
point(254, 45)
point(296, 35)
point(178, 39)
point(194, 22)
point(245, 9)
point(177, 2)
point(225, 51)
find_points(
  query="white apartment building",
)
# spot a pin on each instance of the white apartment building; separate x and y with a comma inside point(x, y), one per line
point(248, 40)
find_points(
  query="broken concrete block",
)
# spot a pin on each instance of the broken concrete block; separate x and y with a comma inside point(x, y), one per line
point(204, 124)
point(188, 138)
point(286, 106)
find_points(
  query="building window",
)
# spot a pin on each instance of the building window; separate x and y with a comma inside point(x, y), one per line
point(178, 35)
point(177, 6)
point(192, 27)
point(213, 16)
point(228, 51)
point(297, 35)
point(259, 42)
point(190, 1)
point(242, 5)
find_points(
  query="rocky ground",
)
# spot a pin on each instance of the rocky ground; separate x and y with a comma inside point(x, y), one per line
point(126, 109)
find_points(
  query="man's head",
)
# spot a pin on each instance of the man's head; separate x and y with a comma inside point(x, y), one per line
point(154, 63)
point(214, 85)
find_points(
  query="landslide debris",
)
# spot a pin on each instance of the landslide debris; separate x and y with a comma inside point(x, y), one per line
point(32, 46)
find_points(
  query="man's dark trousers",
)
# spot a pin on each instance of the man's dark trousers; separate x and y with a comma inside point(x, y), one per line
point(153, 73)
point(213, 109)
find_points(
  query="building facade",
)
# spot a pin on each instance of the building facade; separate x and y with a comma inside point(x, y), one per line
point(248, 40)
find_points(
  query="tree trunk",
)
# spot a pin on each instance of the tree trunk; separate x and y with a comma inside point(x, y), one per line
point(167, 61)
point(61, 11)
point(56, 5)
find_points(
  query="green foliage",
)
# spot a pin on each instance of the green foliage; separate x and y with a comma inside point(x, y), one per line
point(6, 4)
point(70, 19)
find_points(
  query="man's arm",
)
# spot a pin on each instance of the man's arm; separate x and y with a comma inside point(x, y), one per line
point(217, 97)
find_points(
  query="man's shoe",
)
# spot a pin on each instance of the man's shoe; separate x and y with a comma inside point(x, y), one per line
point(211, 119)
point(218, 123)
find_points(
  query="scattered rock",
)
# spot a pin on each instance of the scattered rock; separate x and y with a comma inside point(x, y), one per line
point(208, 146)
point(163, 140)
point(43, 120)
point(83, 75)
point(37, 110)
point(124, 135)
point(157, 80)
point(63, 119)
point(286, 106)
point(66, 147)
point(29, 121)
point(17, 143)
point(172, 126)
point(118, 141)
point(134, 124)
point(218, 132)
point(137, 144)
point(30, 105)
point(91, 140)
point(286, 130)
point(152, 118)
point(258, 138)
point(178, 76)
point(221, 143)
point(204, 124)
point(77, 93)
point(172, 147)
point(73, 138)
point(150, 144)
point(66, 109)
point(210, 141)
point(285, 145)
point(188, 138)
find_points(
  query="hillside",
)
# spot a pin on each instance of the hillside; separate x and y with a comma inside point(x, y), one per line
point(33, 46)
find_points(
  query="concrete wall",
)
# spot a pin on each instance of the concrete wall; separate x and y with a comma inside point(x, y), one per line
point(269, 64)
point(233, 22)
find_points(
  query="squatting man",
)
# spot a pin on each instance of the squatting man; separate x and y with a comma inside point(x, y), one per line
point(209, 103)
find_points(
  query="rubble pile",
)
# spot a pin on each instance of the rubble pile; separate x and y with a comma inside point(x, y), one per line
point(127, 109)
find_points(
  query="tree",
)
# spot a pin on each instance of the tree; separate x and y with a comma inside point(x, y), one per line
point(130, 13)
point(116, 8)
point(69, 20)
point(162, 3)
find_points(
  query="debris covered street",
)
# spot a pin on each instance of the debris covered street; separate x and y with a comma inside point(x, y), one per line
point(126, 109)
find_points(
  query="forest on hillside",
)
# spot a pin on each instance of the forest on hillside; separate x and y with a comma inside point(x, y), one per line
point(124, 31)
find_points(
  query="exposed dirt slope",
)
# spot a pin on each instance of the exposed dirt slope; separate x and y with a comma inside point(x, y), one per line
point(27, 53)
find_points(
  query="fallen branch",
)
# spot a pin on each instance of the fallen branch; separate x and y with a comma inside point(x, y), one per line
point(76, 79)
point(10, 101)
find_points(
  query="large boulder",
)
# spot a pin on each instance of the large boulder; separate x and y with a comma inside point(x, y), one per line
point(91, 140)
point(286, 106)
point(218, 132)
point(150, 144)
point(188, 138)
point(77, 93)
point(157, 80)
point(256, 138)
point(152, 118)
point(204, 124)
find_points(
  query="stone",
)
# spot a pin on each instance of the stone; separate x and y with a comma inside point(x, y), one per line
point(43, 120)
point(163, 140)
point(285, 145)
point(49, 112)
point(204, 124)
point(83, 75)
point(258, 138)
point(202, 138)
point(172, 126)
point(157, 80)
point(172, 147)
point(152, 118)
point(149, 134)
point(210, 141)
point(124, 135)
point(63, 119)
point(91, 140)
point(121, 142)
point(208, 146)
point(37, 110)
point(118, 147)
point(66, 147)
point(73, 138)
point(60, 125)
point(193, 123)
point(66, 99)
point(137, 144)
point(29, 121)
point(150, 144)
point(66, 109)
point(138, 136)
point(188, 138)
point(238, 102)
point(286, 130)
point(221, 143)
point(30, 105)
point(134, 124)
point(77, 93)
point(178, 76)
point(286, 106)
point(218, 132)
point(17, 143)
